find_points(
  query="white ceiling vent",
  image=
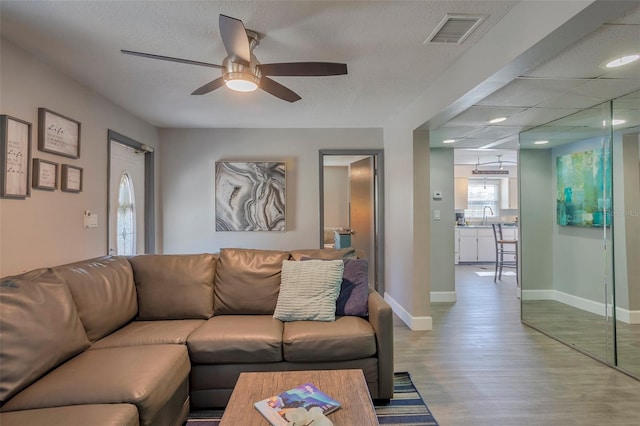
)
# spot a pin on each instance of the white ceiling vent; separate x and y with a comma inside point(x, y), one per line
point(454, 28)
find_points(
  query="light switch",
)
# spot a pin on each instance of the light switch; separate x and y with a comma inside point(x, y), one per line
point(436, 215)
point(90, 219)
point(437, 195)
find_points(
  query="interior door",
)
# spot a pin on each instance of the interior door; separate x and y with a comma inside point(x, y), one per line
point(126, 197)
point(362, 210)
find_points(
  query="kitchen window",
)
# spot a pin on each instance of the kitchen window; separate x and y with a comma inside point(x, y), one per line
point(483, 192)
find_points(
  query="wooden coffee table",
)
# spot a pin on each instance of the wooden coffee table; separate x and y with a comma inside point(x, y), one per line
point(348, 387)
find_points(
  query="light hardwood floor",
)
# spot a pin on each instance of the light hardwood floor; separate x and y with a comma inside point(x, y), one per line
point(481, 366)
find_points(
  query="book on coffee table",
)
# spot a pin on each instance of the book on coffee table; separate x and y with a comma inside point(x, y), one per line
point(306, 396)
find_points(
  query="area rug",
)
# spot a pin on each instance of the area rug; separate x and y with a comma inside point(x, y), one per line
point(406, 408)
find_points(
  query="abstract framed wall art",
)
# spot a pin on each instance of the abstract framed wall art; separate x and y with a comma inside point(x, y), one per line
point(250, 196)
point(583, 191)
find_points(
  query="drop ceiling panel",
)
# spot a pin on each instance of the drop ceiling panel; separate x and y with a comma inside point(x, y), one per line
point(607, 89)
point(584, 59)
point(495, 132)
point(525, 92)
point(537, 116)
point(480, 115)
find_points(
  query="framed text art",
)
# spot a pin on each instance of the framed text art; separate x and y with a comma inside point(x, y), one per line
point(250, 196)
point(45, 175)
point(58, 134)
point(71, 178)
point(15, 157)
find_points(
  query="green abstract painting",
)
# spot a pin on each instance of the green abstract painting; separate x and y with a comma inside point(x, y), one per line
point(583, 188)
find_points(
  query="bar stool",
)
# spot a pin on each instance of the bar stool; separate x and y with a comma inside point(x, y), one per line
point(504, 247)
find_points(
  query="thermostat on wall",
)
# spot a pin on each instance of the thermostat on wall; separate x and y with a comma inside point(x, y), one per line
point(437, 195)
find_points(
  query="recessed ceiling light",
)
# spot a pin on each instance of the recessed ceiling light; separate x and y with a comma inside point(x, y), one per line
point(497, 120)
point(541, 142)
point(624, 60)
point(448, 141)
point(615, 122)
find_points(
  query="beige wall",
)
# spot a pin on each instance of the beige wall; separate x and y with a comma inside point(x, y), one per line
point(47, 228)
point(336, 196)
point(188, 165)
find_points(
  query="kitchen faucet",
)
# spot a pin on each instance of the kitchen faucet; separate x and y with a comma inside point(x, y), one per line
point(484, 214)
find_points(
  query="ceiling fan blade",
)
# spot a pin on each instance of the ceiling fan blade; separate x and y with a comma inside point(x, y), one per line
point(209, 87)
point(301, 69)
point(168, 58)
point(278, 90)
point(234, 38)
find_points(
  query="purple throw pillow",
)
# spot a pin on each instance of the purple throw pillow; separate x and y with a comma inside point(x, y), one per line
point(353, 299)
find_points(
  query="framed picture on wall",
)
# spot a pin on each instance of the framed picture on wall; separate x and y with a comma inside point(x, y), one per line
point(15, 157)
point(58, 134)
point(250, 196)
point(71, 178)
point(45, 174)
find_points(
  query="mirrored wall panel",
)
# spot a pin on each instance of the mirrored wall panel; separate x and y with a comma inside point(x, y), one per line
point(580, 231)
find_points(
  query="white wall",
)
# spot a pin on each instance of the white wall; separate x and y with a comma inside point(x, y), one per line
point(336, 196)
point(46, 229)
point(407, 278)
point(188, 167)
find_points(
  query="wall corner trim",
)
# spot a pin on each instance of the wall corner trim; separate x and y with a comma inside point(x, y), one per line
point(414, 323)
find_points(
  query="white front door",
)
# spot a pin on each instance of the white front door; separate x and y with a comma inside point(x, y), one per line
point(126, 200)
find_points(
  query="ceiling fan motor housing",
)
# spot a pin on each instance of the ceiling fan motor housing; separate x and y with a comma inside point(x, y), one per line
point(236, 70)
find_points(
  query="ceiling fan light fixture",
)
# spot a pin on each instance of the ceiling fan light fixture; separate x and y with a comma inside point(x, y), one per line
point(241, 81)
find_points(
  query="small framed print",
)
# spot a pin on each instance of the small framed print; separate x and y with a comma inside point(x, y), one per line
point(45, 174)
point(71, 178)
point(15, 157)
point(58, 134)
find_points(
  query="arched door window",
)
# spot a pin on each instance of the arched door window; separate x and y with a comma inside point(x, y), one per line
point(126, 221)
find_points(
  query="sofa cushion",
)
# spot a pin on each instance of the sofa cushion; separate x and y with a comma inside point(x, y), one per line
point(344, 339)
point(105, 414)
point(308, 290)
point(174, 286)
point(150, 333)
point(104, 293)
point(146, 376)
point(39, 328)
point(237, 339)
point(354, 290)
point(248, 281)
point(327, 254)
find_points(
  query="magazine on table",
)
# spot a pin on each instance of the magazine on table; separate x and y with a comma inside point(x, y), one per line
point(305, 396)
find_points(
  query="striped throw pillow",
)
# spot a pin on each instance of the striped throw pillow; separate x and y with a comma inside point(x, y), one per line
point(308, 290)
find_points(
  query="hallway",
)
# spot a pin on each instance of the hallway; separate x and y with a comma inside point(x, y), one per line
point(481, 366)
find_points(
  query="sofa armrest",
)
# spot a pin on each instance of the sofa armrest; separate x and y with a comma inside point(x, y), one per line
point(381, 319)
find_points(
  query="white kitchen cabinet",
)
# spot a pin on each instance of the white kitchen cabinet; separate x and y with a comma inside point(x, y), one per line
point(509, 193)
point(456, 246)
point(468, 245)
point(486, 245)
point(478, 244)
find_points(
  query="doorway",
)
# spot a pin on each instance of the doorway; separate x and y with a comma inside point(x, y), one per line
point(352, 205)
point(130, 229)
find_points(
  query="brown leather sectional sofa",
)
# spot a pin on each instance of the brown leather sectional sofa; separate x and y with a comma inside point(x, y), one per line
point(142, 340)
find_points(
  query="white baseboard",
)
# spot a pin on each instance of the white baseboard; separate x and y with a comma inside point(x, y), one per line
point(624, 315)
point(414, 323)
point(443, 297)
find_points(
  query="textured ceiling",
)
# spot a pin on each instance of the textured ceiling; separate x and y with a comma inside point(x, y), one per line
point(378, 40)
point(382, 43)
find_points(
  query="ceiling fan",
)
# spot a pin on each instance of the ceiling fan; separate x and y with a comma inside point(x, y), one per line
point(242, 72)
